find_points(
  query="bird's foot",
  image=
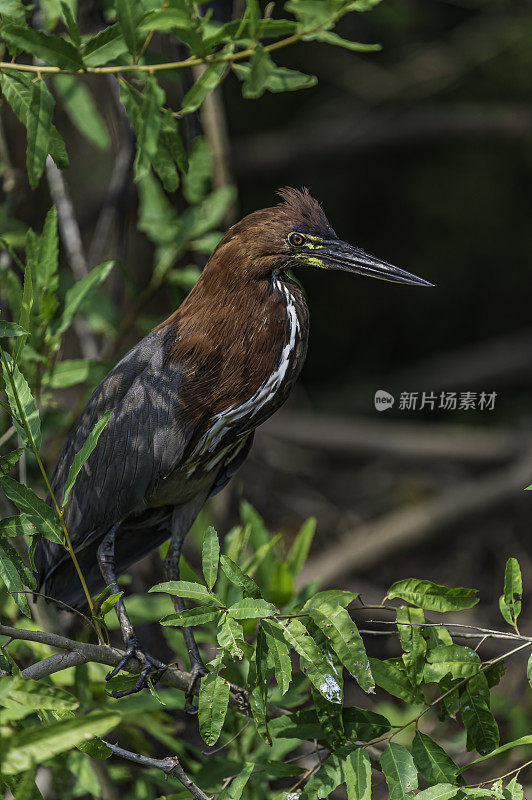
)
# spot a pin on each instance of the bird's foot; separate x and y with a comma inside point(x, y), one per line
point(148, 663)
point(197, 672)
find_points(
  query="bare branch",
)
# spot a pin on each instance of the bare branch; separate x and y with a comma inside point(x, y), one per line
point(71, 237)
point(169, 765)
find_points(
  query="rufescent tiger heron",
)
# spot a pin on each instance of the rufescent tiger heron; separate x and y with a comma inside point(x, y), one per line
point(187, 399)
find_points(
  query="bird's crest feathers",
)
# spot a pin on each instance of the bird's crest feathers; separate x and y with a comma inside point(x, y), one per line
point(305, 212)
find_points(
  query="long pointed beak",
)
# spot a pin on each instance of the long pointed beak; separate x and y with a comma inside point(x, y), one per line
point(345, 257)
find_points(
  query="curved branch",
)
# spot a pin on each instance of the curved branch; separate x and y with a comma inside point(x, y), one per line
point(76, 653)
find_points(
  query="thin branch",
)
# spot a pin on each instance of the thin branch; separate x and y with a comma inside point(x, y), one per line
point(7, 435)
point(169, 765)
point(71, 237)
point(191, 61)
point(84, 652)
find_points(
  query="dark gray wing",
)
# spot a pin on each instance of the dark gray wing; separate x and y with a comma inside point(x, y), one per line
point(141, 443)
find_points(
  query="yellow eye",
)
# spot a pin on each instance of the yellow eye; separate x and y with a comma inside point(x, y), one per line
point(296, 239)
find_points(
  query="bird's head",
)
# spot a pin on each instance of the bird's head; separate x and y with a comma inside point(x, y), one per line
point(296, 233)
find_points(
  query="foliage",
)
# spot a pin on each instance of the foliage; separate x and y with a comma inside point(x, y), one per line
point(283, 654)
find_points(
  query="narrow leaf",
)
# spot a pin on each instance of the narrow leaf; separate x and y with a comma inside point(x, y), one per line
point(210, 556)
point(8, 461)
point(483, 733)
point(83, 453)
point(239, 578)
point(9, 329)
point(128, 13)
point(192, 616)
point(39, 121)
point(35, 509)
point(53, 50)
point(15, 575)
point(208, 80)
point(16, 386)
point(236, 788)
point(39, 743)
point(279, 652)
point(316, 666)
point(147, 124)
point(195, 591)
point(392, 679)
point(432, 596)
point(77, 294)
point(301, 546)
point(17, 526)
point(249, 608)
point(341, 631)
point(357, 774)
point(82, 110)
point(399, 770)
point(212, 708)
point(432, 760)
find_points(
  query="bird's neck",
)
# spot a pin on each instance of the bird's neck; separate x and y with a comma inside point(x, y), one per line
point(231, 337)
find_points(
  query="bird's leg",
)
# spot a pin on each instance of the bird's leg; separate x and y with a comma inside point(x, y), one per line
point(106, 561)
point(171, 567)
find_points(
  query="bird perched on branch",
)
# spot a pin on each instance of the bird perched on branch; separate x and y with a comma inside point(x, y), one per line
point(187, 400)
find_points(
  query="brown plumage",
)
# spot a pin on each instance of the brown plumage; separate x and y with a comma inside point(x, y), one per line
point(188, 397)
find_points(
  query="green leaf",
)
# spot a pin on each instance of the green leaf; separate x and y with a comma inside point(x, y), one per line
point(105, 46)
point(39, 121)
point(335, 622)
point(212, 707)
point(458, 661)
point(250, 608)
point(82, 110)
point(230, 635)
point(109, 603)
point(147, 124)
point(37, 512)
point(79, 292)
point(399, 770)
point(53, 50)
point(70, 22)
point(432, 760)
point(329, 37)
point(128, 14)
point(208, 80)
point(510, 601)
point(263, 74)
point(357, 774)
point(192, 616)
point(238, 784)
point(165, 19)
point(412, 641)
point(239, 578)
point(332, 596)
point(17, 88)
point(35, 694)
point(17, 526)
point(15, 575)
point(279, 652)
point(195, 187)
point(27, 402)
point(317, 668)
point(482, 730)
point(442, 792)
point(330, 718)
point(432, 596)
point(72, 371)
point(210, 555)
point(40, 743)
point(392, 679)
point(25, 311)
point(195, 591)
point(8, 461)
point(9, 329)
point(301, 546)
point(523, 740)
point(46, 253)
point(83, 453)
point(325, 780)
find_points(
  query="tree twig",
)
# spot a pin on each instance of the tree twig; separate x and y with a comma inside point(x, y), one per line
point(71, 237)
point(169, 765)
